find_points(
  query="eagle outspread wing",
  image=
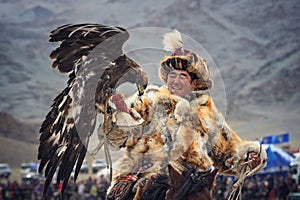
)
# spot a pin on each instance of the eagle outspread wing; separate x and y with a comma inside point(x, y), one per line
point(92, 56)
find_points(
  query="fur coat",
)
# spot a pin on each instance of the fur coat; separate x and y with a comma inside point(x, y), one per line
point(162, 129)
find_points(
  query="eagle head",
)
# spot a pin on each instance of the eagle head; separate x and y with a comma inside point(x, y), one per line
point(136, 74)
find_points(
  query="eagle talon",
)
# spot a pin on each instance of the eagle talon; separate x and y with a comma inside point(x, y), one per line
point(140, 99)
point(110, 110)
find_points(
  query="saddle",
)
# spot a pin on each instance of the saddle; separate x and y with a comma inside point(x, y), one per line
point(123, 189)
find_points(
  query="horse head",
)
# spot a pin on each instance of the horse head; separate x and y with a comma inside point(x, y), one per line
point(191, 185)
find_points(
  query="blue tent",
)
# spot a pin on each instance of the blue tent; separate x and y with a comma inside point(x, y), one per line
point(277, 157)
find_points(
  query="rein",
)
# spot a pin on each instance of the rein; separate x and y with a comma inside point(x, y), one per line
point(245, 172)
point(194, 182)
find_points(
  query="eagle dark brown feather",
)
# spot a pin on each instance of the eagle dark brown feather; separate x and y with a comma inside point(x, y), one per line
point(92, 55)
point(78, 40)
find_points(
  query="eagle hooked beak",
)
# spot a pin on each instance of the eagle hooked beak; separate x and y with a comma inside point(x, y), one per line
point(141, 89)
point(141, 80)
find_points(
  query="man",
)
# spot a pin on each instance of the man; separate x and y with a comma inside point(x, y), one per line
point(176, 124)
point(180, 83)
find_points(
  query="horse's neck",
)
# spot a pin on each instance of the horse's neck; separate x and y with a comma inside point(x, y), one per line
point(180, 186)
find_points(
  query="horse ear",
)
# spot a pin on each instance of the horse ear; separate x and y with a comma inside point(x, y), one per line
point(174, 175)
point(172, 172)
point(211, 179)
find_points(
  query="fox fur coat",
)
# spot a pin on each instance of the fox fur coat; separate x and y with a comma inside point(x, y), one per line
point(161, 129)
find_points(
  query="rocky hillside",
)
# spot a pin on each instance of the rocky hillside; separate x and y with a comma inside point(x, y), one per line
point(15, 129)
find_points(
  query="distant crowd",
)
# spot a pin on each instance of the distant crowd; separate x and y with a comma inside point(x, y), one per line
point(272, 186)
point(90, 189)
point(262, 187)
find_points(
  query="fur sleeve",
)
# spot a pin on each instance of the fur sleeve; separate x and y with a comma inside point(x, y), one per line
point(230, 154)
point(227, 150)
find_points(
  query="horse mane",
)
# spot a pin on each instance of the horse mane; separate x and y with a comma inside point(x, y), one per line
point(195, 181)
point(190, 183)
point(157, 187)
point(174, 185)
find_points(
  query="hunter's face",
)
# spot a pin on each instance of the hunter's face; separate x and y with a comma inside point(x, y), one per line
point(180, 83)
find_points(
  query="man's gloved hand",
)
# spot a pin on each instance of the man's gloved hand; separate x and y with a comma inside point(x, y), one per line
point(120, 103)
point(125, 117)
point(254, 160)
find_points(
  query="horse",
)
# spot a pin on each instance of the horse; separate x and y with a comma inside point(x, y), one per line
point(189, 185)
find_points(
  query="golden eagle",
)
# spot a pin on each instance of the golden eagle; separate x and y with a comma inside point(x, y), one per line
point(92, 56)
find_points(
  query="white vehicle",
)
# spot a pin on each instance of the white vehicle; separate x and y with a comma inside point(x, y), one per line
point(29, 168)
point(295, 167)
point(5, 170)
point(98, 164)
point(84, 167)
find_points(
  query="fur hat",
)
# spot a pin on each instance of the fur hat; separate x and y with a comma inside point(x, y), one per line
point(186, 60)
